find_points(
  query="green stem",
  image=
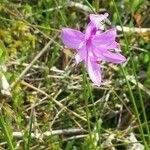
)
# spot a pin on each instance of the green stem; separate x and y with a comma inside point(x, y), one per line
point(129, 87)
point(63, 19)
point(98, 122)
point(86, 97)
point(91, 7)
point(6, 132)
point(30, 130)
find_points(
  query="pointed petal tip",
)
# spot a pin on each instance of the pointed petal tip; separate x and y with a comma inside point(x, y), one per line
point(77, 59)
point(124, 58)
point(94, 71)
point(116, 58)
point(121, 58)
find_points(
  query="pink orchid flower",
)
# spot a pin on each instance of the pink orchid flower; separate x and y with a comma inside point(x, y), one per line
point(93, 46)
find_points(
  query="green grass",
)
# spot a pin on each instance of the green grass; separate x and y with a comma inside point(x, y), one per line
point(6, 133)
point(54, 94)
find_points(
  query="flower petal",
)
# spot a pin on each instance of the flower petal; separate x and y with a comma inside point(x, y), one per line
point(81, 54)
point(104, 39)
point(93, 71)
point(99, 20)
point(90, 30)
point(72, 38)
point(99, 51)
point(114, 45)
point(100, 17)
point(114, 57)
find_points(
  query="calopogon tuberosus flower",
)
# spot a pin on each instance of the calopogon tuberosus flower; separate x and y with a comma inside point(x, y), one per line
point(94, 45)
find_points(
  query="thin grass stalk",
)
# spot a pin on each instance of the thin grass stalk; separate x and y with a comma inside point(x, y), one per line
point(98, 123)
point(6, 133)
point(86, 97)
point(30, 130)
point(91, 7)
point(135, 106)
point(96, 4)
point(128, 84)
point(63, 19)
point(98, 126)
point(129, 87)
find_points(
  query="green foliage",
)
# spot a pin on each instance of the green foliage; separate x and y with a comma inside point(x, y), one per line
point(5, 125)
point(25, 28)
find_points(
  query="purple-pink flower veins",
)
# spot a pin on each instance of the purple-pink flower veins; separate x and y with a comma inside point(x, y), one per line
point(93, 46)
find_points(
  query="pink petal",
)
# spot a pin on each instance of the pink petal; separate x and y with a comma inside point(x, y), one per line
point(98, 53)
point(98, 50)
point(114, 57)
point(92, 56)
point(100, 17)
point(90, 30)
point(114, 45)
point(104, 39)
point(99, 20)
point(93, 71)
point(72, 38)
point(81, 54)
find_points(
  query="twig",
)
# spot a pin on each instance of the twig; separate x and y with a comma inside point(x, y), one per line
point(32, 62)
point(135, 47)
point(132, 79)
point(54, 69)
point(79, 6)
point(53, 132)
point(56, 116)
point(76, 137)
point(55, 101)
point(125, 29)
point(70, 4)
point(132, 29)
point(120, 116)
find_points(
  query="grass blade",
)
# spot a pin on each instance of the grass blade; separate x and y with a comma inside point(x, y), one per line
point(30, 130)
point(129, 87)
point(6, 132)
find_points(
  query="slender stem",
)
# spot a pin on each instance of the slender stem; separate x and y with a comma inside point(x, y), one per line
point(6, 132)
point(30, 130)
point(91, 7)
point(135, 107)
point(63, 19)
point(98, 123)
point(96, 4)
point(129, 87)
point(86, 97)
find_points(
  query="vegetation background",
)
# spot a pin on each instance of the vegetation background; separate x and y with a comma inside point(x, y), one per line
point(47, 102)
